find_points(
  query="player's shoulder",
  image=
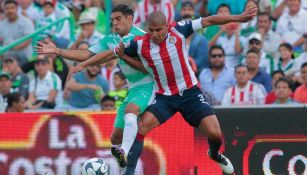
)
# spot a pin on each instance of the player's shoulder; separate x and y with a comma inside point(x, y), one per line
point(137, 31)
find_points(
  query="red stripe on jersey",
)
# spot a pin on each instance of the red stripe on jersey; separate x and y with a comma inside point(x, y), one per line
point(169, 8)
point(145, 50)
point(186, 74)
point(241, 96)
point(168, 67)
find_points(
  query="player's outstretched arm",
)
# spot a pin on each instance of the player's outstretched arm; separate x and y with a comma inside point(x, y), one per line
point(247, 15)
point(100, 58)
point(47, 47)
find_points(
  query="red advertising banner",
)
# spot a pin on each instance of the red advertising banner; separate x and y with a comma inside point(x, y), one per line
point(58, 144)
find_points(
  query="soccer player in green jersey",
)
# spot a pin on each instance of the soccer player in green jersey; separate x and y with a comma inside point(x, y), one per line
point(140, 84)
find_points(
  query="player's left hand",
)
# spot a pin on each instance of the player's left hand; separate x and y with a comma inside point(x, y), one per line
point(248, 14)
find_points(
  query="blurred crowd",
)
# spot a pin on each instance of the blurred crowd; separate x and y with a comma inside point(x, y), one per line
point(263, 61)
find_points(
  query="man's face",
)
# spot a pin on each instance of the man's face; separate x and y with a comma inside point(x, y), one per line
point(217, 58)
point(48, 9)
point(10, 11)
point(282, 90)
point(242, 75)
point(10, 65)
point(252, 60)
point(5, 85)
point(223, 11)
point(187, 12)
point(93, 70)
point(304, 74)
point(294, 5)
point(157, 32)
point(264, 22)
point(121, 24)
point(305, 44)
point(255, 44)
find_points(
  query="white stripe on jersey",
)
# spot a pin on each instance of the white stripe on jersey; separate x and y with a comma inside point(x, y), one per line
point(186, 58)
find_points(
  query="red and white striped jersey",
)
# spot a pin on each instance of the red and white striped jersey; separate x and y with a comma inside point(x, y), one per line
point(252, 94)
point(145, 8)
point(167, 62)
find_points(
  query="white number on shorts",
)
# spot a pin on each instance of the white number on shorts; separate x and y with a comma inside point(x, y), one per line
point(202, 98)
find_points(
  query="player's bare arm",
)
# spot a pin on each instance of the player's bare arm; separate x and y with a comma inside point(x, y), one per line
point(100, 58)
point(47, 47)
point(247, 15)
point(136, 63)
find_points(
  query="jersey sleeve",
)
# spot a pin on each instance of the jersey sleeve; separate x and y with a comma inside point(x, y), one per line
point(132, 49)
point(188, 27)
point(99, 47)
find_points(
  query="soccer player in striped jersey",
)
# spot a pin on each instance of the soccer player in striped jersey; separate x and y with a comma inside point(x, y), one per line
point(163, 55)
point(141, 84)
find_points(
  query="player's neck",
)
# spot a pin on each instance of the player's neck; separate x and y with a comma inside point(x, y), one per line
point(125, 33)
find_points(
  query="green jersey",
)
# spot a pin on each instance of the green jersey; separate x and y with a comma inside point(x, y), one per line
point(134, 77)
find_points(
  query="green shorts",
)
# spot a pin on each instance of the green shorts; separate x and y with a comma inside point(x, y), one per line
point(141, 96)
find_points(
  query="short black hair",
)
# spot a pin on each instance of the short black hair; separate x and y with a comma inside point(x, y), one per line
point(107, 98)
point(278, 72)
point(120, 74)
point(265, 14)
point(240, 65)
point(216, 47)
point(303, 65)
point(10, 2)
point(253, 50)
point(124, 9)
point(283, 79)
point(223, 5)
point(13, 97)
point(187, 4)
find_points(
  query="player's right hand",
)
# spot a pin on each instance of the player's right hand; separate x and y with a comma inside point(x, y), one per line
point(46, 47)
point(121, 49)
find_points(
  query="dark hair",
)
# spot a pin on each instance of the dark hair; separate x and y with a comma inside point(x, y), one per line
point(124, 9)
point(253, 50)
point(83, 42)
point(278, 72)
point(240, 65)
point(187, 4)
point(265, 14)
point(303, 65)
point(107, 98)
point(283, 80)
point(289, 47)
point(13, 97)
point(120, 74)
point(10, 2)
point(223, 5)
point(216, 47)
